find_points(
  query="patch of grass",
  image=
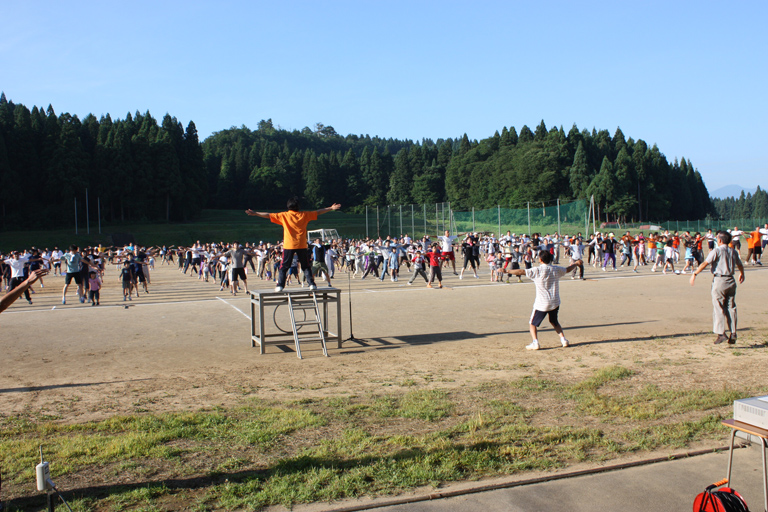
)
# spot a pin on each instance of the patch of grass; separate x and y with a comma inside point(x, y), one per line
point(121, 438)
point(429, 405)
point(346, 446)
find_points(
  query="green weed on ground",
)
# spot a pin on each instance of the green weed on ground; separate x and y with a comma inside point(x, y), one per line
point(349, 446)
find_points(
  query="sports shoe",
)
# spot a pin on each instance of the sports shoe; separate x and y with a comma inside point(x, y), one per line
point(565, 342)
point(603, 269)
point(721, 338)
point(533, 346)
point(130, 298)
point(82, 300)
point(461, 277)
point(312, 287)
point(410, 283)
point(732, 339)
point(278, 288)
point(63, 301)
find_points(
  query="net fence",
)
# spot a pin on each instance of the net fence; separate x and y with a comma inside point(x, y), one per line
point(431, 219)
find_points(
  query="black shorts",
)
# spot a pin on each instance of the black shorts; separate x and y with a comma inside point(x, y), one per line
point(537, 316)
point(238, 273)
point(758, 250)
point(140, 277)
point(76, 276)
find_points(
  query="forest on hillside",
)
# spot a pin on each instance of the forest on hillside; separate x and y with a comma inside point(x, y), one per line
point(629, 179)
point(134, 169)
point(139, 169)
point(746, 206)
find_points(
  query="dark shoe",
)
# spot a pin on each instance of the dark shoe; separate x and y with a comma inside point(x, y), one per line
point(721, 338)
point(732, 339)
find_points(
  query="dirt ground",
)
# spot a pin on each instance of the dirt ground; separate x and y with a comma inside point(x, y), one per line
point(187, 345)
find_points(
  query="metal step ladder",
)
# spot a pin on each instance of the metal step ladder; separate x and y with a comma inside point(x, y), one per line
point(306, 304)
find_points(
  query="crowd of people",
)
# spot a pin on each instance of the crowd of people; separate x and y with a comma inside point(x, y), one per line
point(85, 266)
point(230, 265)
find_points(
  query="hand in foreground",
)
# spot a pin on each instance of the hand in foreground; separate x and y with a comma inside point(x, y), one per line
point(35, 275)
point(335, 206)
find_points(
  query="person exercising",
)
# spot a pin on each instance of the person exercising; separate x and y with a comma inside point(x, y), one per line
point(294, 224)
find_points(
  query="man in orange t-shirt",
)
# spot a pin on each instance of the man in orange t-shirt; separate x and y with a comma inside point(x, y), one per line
point(294, 225)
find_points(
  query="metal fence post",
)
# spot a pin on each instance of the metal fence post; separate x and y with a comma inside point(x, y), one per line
point(529, 218)
point(413, 222)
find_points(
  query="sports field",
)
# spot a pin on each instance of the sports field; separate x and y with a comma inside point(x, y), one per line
point(185, 347)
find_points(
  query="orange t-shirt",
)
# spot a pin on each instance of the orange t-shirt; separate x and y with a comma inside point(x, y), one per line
point(754, 240)
point(294, 227)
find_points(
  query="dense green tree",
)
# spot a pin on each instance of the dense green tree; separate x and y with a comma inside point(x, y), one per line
point(401, 181)
point(580, 175)
point(526, 135)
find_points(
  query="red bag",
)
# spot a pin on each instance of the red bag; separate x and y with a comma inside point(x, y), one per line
point(723, 500)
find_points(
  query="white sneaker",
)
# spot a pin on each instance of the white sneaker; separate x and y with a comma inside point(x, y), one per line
point(565, 342)
point(461, 277)
point(533, 346)
point(278, 288)
point(312, 287)
point(603, 269)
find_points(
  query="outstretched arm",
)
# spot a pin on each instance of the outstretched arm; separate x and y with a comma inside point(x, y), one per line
point(515, 271)
point(257, 214)
point(573, 267)
point(334, 206)
point(14, 294)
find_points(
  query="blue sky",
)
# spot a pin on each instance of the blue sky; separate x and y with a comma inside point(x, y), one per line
point(688, 76)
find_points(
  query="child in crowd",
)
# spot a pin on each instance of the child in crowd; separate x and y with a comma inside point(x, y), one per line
point(434, 257)
point(688, 256)
point(126, 277)
point(94, 285)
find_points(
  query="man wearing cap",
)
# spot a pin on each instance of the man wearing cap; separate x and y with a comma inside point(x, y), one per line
point(724, 261)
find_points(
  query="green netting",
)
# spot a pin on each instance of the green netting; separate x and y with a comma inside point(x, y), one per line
point(562, 218)
point(432, 219)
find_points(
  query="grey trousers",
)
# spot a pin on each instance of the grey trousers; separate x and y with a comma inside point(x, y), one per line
point(724, 303)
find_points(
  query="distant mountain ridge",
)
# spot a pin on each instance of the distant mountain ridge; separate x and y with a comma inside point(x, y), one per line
point(731, 191)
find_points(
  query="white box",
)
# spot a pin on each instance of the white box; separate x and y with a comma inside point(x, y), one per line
point(752, 411)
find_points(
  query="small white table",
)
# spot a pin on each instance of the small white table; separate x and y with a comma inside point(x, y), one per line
point(758, 432)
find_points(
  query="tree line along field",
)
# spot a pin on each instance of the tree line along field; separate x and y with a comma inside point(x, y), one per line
point(139, 169)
